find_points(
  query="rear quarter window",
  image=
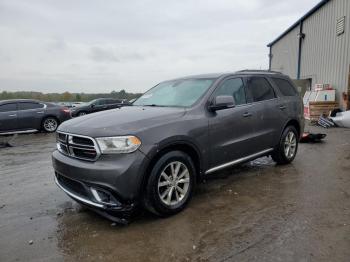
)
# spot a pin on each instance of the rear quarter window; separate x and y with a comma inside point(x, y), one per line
point(286, 88)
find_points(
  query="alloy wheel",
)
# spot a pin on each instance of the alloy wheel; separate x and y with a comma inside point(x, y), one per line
point(50, 125)
point(173, 183)
point(290, 145)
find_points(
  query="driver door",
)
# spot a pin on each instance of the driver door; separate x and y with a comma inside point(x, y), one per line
point(231, 130)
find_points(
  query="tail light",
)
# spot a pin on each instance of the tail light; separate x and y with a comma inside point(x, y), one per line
point(65, 109)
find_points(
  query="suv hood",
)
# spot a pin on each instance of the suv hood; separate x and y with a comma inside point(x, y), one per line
point(126, 120)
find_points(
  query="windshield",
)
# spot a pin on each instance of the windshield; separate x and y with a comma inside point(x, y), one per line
point(91, 102)
point(178, 93)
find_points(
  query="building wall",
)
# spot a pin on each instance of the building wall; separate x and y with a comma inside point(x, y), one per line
point(325, 56)
point(285, 54)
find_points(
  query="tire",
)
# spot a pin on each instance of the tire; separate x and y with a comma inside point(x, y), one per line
point(289, 139)
point(82, 113)
point(180, 189)
point(50, 124)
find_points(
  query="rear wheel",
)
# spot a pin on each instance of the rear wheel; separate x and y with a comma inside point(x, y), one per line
point(288, 146)
point(171, 183)
point(50, 124)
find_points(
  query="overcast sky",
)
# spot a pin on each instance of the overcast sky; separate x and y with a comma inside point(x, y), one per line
point(100, 46)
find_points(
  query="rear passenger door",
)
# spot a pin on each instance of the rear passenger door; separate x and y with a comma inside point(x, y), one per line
point(8, 117)
point(269, 117)
point(231, 130)
point(30, 115)
point(289, 101)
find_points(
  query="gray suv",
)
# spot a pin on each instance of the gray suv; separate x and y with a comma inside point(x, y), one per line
point(153, 153)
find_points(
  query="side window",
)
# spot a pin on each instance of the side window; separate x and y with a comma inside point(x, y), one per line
point(112, 101)
point(100, 102)
point(27, 106)
point(259, 89)
point(286, 88)
point(8, 107)
point(232, 87)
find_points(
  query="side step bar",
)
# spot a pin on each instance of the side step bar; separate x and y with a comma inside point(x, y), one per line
point(19, 132)
point(238, 161)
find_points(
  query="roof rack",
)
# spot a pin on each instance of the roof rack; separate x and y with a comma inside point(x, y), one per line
point(259, 71)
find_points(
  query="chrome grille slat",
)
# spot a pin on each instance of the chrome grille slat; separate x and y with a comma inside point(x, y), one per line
point(81, 145)
point(82, 148)
point(66, 144)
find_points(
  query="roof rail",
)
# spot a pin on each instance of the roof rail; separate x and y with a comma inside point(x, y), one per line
point(259, 71)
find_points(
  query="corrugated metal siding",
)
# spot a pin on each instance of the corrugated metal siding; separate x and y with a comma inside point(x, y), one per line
point(326, 56)
point(285, 54)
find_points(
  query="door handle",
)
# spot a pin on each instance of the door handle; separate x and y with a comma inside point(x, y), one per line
point(247, 114)
point(13, 115)
point(41, 112)
point(282, 107)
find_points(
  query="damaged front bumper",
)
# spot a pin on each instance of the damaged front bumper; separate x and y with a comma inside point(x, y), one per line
point(96, 198)
point(110, 186)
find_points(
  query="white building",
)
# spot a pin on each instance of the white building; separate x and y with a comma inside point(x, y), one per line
point(317, 47)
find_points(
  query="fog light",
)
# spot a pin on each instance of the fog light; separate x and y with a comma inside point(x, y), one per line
point(104, 197)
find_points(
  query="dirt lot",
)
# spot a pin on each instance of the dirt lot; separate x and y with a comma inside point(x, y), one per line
point(259, 211)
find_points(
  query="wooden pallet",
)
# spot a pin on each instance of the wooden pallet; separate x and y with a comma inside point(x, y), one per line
point(316, 109)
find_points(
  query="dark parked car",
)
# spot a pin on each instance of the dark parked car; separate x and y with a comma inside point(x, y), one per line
point(26, 116)
point(66, 104)
point(96, 105)
point(154, 152)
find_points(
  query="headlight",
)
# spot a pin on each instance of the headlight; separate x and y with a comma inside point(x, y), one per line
point(118, 144)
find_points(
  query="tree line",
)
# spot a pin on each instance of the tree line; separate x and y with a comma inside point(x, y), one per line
point(67, 96)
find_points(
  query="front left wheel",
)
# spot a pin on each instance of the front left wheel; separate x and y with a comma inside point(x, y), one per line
point(50, 124)
point(171, 184)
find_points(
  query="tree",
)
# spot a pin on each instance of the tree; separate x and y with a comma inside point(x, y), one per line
point(78, 97)
point(122, 94)
point(66, 96)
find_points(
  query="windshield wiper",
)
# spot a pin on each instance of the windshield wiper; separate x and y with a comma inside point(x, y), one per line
point(154, 105)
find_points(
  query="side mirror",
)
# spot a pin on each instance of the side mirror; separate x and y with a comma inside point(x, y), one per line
point(222, 102)
point(92, 105)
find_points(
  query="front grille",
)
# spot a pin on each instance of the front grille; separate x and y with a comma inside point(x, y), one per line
point(82, 140)
point(62, 137)
point(77, 146)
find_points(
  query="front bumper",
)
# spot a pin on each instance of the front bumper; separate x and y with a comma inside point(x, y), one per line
point(115, 212)
point(117, 178)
